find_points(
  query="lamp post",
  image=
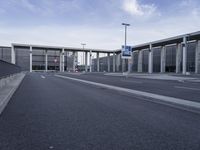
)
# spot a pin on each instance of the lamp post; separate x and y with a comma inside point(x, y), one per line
point(125, 26)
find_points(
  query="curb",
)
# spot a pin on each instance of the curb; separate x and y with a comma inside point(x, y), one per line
point(182, 103)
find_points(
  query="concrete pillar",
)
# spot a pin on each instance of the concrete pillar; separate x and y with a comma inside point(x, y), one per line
point(118, 62)
point(197, 59)
point(46, 61)
point(63, 60)
point(130, 64)
point(108, 62)
point(114, 61)
point(86, 60)
point(178, 58)
point(31, 58)
point(150, 67)
point(163, 59)
point(90, 61)
point(13, 55)
point(60, 66)
point(74, 61)
point(140, 61)
point(123, 65)
point(97, 61)
point(184, 54)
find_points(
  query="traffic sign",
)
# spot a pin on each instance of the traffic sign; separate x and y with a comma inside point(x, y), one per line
point(126, 52)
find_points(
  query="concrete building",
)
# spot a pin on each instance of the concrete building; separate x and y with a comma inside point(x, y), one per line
point(47, 58)
point(180, 54)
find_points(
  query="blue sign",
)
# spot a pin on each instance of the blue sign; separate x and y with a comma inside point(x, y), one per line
point(126, 52)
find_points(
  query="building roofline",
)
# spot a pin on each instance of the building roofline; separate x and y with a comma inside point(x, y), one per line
point(60, 48)
point(162, 42)
point(167, 41)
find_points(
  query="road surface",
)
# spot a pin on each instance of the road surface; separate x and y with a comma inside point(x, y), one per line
point(48, 112)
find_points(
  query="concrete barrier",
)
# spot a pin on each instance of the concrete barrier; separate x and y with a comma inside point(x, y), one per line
point(4, 81)
point(8, 86)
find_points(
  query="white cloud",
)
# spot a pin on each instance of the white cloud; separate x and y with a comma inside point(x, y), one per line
point(133, 7)
point(45, 7)
point(28, 5)
point(63, 36)
point(109, 35)
point(196, 12)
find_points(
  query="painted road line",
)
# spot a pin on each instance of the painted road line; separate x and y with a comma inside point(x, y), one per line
point(75, 73)
point(138, 82)
point(140, 93)
point(43, 77)
point(187, 88)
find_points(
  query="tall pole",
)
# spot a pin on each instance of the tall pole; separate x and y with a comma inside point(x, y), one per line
point(123, 61)
point(125, 26)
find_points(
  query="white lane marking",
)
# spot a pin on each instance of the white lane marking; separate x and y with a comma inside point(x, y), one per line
point(75, 73)
point(187, 88)
point(140, 93)
point(132, 81)
point(43, 77)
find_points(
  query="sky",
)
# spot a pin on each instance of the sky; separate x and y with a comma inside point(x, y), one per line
point(95, 22)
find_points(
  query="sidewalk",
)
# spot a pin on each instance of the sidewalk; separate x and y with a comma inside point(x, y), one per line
point(159, 76)
point(8, 87)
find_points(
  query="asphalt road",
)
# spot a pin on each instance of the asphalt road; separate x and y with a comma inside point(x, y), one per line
point(183, 90)
point(48, 112)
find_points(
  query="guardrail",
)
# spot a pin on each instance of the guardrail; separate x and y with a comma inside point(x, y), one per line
point(8, 69)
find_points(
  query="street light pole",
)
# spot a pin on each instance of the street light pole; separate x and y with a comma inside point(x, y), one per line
point(125, 26)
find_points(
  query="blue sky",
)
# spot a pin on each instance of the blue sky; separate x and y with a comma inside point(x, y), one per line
point(95, 22)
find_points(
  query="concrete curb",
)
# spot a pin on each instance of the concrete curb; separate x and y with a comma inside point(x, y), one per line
point(153, 76)
point(166, 99)
point(8, 86)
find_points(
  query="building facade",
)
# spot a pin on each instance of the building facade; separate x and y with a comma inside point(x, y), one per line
point(180, 54)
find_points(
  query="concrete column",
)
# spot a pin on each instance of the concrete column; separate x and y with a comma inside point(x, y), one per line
point(178, 58)
point(46, 61)
point(114, 61)
point(13, 55)
point(60, 66)
point(197, 59)
point(130, 64)
point(31, 58)
point(140, 61)
point(118, 61)
point(123, 65)
point(86, 60)
point(184, 54)
point(90, 61)
point(108, 62)
point(74, 61)
point(63, 60)
point(150, 67)
point(163, 59)
point(97, 61)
